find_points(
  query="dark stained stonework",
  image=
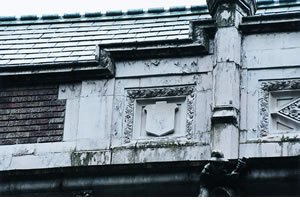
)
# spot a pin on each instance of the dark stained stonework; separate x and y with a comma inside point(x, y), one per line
point(31, 114)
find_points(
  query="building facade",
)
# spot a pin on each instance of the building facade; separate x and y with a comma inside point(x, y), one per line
point(133, 104)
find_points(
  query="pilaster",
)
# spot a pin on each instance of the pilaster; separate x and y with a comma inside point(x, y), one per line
point(226, 72)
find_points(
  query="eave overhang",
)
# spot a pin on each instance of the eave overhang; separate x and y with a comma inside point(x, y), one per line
point(200, 32)
point(278, 22)
point(60, 71)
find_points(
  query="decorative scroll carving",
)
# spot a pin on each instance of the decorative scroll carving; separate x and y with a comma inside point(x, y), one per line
point(129, 115)
point(133, 94)
point(265, 89)
point(292, 110)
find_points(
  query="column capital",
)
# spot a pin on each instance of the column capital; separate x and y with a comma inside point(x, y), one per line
point(247, 6)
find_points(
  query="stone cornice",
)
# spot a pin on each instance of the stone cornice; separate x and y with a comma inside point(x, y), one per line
point(278, 22)
point(200, 32)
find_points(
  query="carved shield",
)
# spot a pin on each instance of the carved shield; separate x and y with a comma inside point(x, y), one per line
point(160, 119)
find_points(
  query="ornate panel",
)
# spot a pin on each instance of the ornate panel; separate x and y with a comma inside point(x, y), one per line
point(279, 106)
point(158, 112)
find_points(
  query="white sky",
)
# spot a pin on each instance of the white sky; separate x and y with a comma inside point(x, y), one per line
point(39, 7)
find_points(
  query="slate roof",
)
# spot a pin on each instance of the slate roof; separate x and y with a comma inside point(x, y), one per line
point(32, 40)
point(72, 40)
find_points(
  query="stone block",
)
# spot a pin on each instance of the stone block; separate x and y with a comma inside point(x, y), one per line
point(203, 116)
point(47, 160)
point(58, 147)
point(226, 78)
point(117, 120)
point(88, 158)
point(260, 150)
point(228, 45)
point(172, 80)
point(121, 84)
point(164, 66)
point(89, 144)
point(291, 148)
point(95, 118)
point(271, 58)
point(123, 156)
point(94, 88)
point(176, 153)
point(71, 120)
point(244, 100)
point(225, 137)
point(5, 162)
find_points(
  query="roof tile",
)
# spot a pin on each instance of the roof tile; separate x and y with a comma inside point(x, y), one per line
point(102, 37)
point(65, 44)
point(174, 32)
point(130, 40)
point(60, 54)
point(51, 49)
point(22, 61)
point(82, 53)
point(93, 47)
point(13, 56)
point(30, 36)
point(147, 34)
point(3, 62)
point(20, 46)
point(37, 55)
point(130, 35)
point(44, 45)
point(9, 51)
point(87, 58)
point(173, 37)
point(86, 43)
point(67, 59)
point(85, 24)
point(75, 48)
point(157, 38)
point(50, 35)
point(63, 25)
point(43, 60)
point(120, 31)
point(22, 27)
point(26, 51)
point(140, 30)
point(81, 38)
point(59, 39)
point(153, 24)
point(5, 46)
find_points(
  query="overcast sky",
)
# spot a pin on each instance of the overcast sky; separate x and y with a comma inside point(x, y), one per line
point(39, 7)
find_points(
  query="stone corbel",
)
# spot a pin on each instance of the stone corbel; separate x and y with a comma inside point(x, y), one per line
point(225, 115)
point(202, 31)
point(105, 59)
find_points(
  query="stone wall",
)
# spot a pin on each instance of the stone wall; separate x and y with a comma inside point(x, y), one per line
point(270, 82)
